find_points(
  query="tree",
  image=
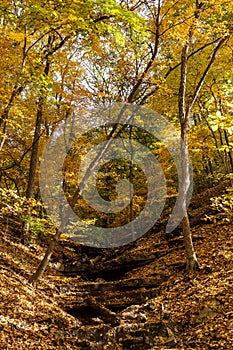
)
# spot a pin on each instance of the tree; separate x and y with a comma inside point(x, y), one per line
point(184, 115)
point(193, 31)
point(61, 57)
point(126, 17)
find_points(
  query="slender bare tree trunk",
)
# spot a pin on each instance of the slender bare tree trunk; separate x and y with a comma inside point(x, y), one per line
point(184, 114)
point(191, 259)
point(44, 263)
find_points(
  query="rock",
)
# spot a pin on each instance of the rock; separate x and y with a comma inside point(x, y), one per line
point(134, 313)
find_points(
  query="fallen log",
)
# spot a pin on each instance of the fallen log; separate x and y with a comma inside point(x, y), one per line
point(104, 313)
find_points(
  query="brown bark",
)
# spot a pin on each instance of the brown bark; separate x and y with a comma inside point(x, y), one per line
point(41, 268)
point(35, 148)
point(33, 164)
point(36, 139)
point(191, 259)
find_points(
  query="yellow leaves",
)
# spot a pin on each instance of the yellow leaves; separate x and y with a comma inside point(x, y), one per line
point(220, 121)
point(224, 206)
point(214, 127)
point(119, 37)
point(218, 114)
point(14, 124)
point(17, 36)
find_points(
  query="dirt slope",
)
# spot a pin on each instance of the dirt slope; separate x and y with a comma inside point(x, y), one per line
point(135, 297)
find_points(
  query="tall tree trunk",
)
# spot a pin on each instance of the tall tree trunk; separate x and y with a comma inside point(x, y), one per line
point(36, 139)
point(184, 114)
point(34, 155)
point(191, 259)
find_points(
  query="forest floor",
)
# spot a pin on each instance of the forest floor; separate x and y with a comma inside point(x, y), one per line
point(134, 297)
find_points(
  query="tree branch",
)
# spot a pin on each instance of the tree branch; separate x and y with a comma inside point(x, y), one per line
point(206, 71)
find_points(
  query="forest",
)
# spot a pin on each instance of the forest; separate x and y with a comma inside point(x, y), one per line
point(116, 174)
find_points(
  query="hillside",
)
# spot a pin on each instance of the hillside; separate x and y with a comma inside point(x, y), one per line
point(113, 114)
point(134, 297)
